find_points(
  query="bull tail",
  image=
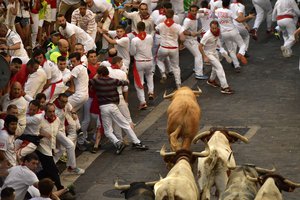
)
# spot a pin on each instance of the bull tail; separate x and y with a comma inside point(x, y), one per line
point(175, 144)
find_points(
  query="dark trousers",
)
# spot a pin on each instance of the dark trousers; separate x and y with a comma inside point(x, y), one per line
point(49, 170)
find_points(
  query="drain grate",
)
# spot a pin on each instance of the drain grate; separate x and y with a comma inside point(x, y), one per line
point(113, 194)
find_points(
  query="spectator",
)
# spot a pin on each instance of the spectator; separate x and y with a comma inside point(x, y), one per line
point(61, 50)
point(8, 193)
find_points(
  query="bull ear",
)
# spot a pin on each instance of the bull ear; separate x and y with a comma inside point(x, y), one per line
point(199, 136)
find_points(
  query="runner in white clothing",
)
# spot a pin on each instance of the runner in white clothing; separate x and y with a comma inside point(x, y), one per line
point(207, 47)
point(190, 25)
point(170, 33)
point(286, 12)
point(141, 47)
point(243, 28)
point(136, 17)
point(107, 11)
point(263, 10)
point(74, 34)
point(54, 85)
point(230, 33)
point(121, 42)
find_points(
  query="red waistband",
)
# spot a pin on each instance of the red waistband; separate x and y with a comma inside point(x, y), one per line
point(279, 17)
point(169, 47)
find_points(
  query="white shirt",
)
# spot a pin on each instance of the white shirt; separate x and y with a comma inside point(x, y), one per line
point(81, 36)
point(142, 49)
point(135, 17)
point(120, 75)
point(100, 6)
point(169, 35)
point(33, 124)
point(13, 38)
point(35, 84)
point(237, 8)
point(122, 45)
point(22, 105)
point(46, 145)
point(7, 144)
point(285, 7)
point(71, 2)
point(205, 18)
point(210, 42)
point(66, 75)
point(20, 178)
point(214, 5)
point(52, 71)
point(190, 25)
point(225, 18)
point(81, 80)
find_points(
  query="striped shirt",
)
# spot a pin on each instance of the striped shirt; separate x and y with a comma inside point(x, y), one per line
point(86, 22)
point(106, 89)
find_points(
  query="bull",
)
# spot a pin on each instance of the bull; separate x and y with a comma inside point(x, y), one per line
point(239, 187)
point(272, 185)
point(183, 117)
point(137, 190)
point(213, 169)
point(180, 181)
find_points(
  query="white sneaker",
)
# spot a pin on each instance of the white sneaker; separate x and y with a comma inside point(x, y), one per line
point(227, 57)
point(76, 170)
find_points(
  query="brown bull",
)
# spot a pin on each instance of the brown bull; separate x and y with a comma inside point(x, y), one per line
point(183, 117)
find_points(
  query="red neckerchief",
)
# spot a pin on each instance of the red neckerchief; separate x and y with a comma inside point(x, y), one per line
point(115, 66)
point(50, 120)
point(190, 16)
point(144, 17)
point(109, 59)
point(217, 34)
point(142, 35)
point(162, 11)
point(169, 22)
point(125, 35)
point(64, 54)
point(3, 115)
point(57, 104)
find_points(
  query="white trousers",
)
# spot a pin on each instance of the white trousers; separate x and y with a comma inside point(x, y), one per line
point(173, 54)
point(263, 10)
point(288, 28)
point(192, 46)
point(217, 69)
point(77, 100)
point(110, 113)
point(144, 69)
point(231, 37)
point(70, 147)
point(34, 28)
point(163, 66)
point(245, 36)
point(71, 129)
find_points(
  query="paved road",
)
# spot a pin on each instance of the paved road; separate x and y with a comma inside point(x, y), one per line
point(265, 107)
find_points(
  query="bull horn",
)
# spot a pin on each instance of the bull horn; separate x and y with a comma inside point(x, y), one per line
point(197, 92)
point(121, 187)
point(200, 135)
point(152, 183)
point(263, 170)
point(169, 96)
point(251, 178)
point(235, 134)
point(204, 153)
point(163, 152)
point(291, 183)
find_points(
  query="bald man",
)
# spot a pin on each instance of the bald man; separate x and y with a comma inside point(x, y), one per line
point(61, 50)
point(15, 97)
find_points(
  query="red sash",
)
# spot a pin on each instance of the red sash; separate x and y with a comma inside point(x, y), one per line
point(136, 76)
